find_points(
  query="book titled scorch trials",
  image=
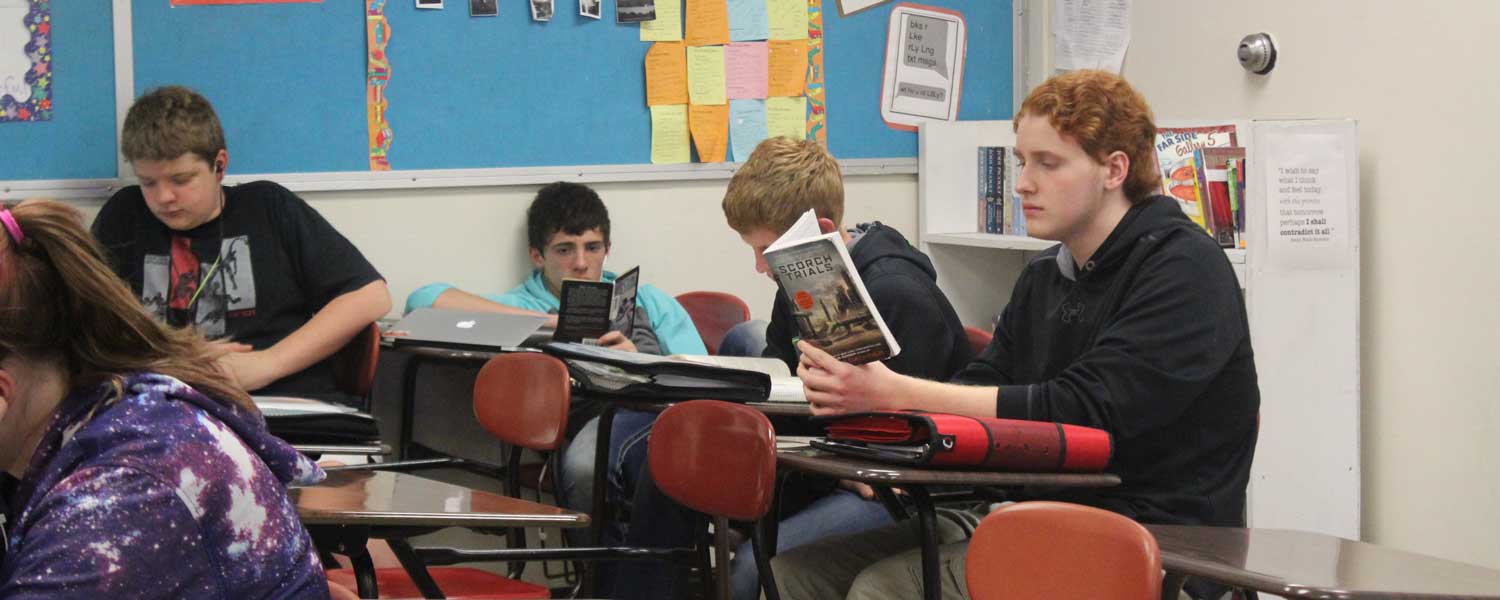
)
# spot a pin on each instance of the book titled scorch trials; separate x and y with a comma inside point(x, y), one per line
point(829, 302)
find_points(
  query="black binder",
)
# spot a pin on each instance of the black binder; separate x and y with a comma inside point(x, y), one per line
point(631, 374)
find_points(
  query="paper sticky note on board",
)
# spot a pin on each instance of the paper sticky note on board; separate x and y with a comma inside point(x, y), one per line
point(745, 69)
point(748, 20)
point(787, 67)
point(747, 126)
point(666, 74)
point(705, 66)
point(786, 117)
point(709, 125)
point(707, 22)
point(669, 134)
point(668, 24)
point(788, 19)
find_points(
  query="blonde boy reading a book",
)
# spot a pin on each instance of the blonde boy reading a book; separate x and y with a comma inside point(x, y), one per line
point(782, 179)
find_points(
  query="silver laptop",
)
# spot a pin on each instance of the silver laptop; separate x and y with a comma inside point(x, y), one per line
point(466, 330)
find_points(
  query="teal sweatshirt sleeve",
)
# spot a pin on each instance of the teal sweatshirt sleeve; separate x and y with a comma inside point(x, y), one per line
point(424, 296)
point(674, 328)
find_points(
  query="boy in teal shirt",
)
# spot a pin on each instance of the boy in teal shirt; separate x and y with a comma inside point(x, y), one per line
point(567, 227)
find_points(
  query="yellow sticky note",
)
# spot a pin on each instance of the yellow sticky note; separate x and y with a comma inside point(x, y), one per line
point(668, 24)
point(666, 74)
point(710, 129)
point(669, 134)
point(788, 19)
point(786, 117)
point(787, 67)
point(707, 22)
point(705, 67)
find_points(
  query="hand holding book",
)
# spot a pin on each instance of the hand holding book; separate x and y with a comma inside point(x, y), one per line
point(829, 302)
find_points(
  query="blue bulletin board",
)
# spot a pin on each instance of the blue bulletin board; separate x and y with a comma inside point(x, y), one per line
point(288, 81)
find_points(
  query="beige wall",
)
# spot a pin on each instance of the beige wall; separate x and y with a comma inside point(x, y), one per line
point(475, 238)
point(1421, 80)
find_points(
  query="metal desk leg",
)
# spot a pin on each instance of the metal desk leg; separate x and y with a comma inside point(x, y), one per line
point(415, 568)
point(932, 581)
point(408, 404)
point(1171, 585)
point(600, 509)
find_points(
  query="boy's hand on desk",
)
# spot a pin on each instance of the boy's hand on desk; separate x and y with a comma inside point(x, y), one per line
point(835, 387)
point(615, 340)
point(252, 370)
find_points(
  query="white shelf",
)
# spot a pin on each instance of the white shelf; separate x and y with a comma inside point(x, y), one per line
point(1019, 242)
point(988, 240)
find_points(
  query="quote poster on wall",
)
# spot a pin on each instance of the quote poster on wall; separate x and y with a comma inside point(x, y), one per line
point(25, 60)
point(1307, 177)
point(924, 66)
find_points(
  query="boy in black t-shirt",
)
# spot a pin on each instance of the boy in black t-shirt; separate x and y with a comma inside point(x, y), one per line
point(252, 265)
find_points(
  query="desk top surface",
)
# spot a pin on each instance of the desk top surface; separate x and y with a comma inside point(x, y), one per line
point(398, 499)
point(1303, 564)
point(817, 461)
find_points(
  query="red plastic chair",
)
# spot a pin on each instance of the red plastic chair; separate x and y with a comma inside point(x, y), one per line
point(979, 339)
point(1037, 550)
point(354, 364)
point(522, 399)
point(687, 457)
point(714, 314)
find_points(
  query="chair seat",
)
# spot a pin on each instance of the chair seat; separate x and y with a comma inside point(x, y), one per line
point(456, 582)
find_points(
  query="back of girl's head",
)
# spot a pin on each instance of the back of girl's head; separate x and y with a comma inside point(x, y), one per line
point(59, 301)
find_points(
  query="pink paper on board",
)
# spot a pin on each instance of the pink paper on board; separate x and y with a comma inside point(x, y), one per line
point(745, 66)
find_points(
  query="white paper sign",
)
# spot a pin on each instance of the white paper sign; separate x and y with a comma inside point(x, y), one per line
point(1307, 199)
point(13, 60)
point(1090, 34)
point(924, 66)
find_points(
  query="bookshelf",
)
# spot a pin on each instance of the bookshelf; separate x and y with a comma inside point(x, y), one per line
point(1300, 275)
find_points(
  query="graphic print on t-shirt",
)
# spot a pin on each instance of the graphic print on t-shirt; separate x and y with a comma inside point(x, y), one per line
point(169, 283)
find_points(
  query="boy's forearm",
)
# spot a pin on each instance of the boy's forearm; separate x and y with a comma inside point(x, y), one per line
point(329, 329)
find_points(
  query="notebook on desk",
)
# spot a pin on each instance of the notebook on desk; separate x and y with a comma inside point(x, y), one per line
point(308, 421)
point(463, 330)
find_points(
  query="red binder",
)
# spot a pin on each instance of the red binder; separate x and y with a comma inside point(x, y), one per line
point(954, 441)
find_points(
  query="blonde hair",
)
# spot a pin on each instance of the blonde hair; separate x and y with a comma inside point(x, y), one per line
point(780, 181)
point(59, 301)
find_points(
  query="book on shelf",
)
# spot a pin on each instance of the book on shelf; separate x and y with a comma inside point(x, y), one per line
point(1237, 196)
point(1179, 178)
point(1214, 175)
point(829, 302)
point(994, 180)
point(589, 309)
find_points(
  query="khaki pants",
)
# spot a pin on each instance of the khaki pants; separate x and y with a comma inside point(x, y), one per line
point(884, 563)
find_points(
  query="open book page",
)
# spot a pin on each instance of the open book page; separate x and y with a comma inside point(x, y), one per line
point(830, 304)
point(286, 406)
point(804, 229)
point(770, 366)
point(786, 389)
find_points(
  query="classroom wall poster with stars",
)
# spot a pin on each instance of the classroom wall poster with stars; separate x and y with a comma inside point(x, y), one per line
point(25, 60)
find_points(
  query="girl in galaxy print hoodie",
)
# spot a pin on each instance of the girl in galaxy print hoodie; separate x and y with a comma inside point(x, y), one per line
point(133, 467)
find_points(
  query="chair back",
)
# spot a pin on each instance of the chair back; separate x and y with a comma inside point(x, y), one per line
point(978, 338)
point(715, 457)
point(354, 364)
point(714, 313)
point(1035, 550)
point(522, 399)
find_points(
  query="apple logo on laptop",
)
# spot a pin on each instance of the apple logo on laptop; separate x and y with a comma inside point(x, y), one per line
point(465, 324)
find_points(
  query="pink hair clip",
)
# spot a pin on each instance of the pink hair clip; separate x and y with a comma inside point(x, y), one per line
point(12, 226)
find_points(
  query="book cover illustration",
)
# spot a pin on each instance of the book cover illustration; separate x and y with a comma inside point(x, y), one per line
point(1174, 151)
point(589, 309)
point(829, 310)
